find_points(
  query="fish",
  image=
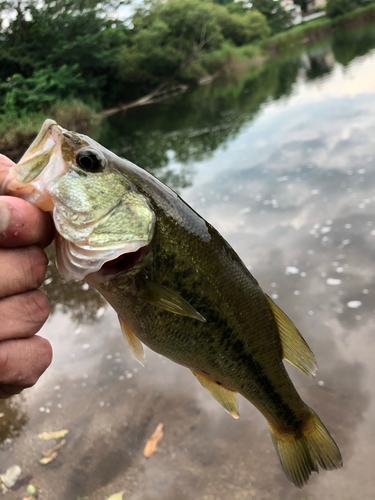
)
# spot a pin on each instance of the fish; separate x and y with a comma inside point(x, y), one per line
point(177, 286)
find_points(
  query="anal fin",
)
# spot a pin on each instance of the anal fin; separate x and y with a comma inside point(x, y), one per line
point(135, 345)
point(295, 348)
point(225, 397)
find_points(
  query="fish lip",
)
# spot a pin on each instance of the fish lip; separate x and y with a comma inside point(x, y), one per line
point(49, 129)
point(16, 183)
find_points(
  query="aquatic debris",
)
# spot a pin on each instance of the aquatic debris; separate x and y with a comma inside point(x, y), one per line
point(49, 452)
point(31, 490)
point(53, 435)
point(151, 445)
point(48, 459)
point(117, 496)
point(11, 476)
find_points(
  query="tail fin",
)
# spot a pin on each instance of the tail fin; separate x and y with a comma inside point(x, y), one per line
point(301, 453)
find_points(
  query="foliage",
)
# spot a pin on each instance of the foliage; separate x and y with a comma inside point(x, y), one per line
point(174, 38)
point(54, 34)
point(336, 8)
point(43, 87)
point(307, 31)
point(16, 132)
point(277, 17)
point(57, 49)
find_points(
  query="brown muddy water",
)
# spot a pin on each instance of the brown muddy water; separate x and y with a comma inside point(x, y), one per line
point(281, 160)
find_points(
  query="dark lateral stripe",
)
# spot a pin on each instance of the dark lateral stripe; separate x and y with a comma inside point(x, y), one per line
point(261, 379)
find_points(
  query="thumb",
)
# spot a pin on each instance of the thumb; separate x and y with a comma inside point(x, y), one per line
point(5, 164)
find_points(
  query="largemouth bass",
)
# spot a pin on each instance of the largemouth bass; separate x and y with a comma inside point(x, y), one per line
point(177, 286)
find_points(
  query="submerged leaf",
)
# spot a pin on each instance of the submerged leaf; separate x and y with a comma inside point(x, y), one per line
point(151, 445)
point(53, 435)
point(47, 460)
point(117, 496)
point(50, 452)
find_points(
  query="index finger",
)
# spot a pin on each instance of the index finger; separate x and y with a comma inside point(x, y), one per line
point(22, 224)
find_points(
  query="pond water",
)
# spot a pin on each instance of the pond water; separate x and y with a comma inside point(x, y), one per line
point(281, 160)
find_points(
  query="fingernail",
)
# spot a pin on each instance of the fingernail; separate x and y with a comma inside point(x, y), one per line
point(5, 216)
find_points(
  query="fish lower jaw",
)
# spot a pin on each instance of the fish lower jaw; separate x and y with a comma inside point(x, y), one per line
point(28, 192)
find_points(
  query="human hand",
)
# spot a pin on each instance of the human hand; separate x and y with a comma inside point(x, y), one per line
point(24, 231)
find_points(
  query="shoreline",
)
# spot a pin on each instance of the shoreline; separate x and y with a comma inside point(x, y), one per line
point(317, 29)
point(305, 33)
point(16, 133)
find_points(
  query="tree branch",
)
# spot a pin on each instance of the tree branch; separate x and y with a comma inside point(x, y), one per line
point(161, 88)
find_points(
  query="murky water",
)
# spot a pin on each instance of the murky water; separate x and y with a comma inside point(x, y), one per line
point(281, 160)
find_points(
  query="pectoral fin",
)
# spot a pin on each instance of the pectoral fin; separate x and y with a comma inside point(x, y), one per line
point(135, 345)
point(224, 396)
point(162, 297)
point(295, 348)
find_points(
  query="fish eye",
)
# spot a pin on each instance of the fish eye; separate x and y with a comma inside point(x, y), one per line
point(89, 161)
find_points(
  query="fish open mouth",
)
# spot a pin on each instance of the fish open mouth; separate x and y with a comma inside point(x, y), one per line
point(123, 263)
point(28, 178)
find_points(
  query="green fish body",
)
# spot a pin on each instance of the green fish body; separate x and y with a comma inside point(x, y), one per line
point(177, 286)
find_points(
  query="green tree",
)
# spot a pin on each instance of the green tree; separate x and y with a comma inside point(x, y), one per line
point(277, 17)
point(44, 87)
point(171, 39)
point(336, 8)
point(57, 33)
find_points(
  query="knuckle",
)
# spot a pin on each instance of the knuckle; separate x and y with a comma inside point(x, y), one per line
point(37, 308)
point(36, 262)
point(4, 362)
point(44, 355)
point(23, 361)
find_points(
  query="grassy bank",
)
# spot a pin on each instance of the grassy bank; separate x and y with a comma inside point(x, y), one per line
point(305, 32)
point(360, 15)
point(314, 30)
point(17, 132)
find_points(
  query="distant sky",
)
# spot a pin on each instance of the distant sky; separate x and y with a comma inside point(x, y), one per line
point(123, 12)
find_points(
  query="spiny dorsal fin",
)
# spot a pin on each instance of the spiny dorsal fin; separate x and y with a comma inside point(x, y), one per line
point(295, 348)
point(135, 345)
point(222, 395)
point(162, 297)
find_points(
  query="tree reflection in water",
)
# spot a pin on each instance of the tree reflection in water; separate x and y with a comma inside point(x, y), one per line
point(167, 138)
point(70, 297)
point(12, 419)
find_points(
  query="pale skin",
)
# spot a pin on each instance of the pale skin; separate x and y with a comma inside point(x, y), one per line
point(24, 232)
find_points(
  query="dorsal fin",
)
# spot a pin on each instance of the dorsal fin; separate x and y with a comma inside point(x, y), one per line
point(295, 348)
point(135, 345)
point(225, 397)
point(164, 298)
